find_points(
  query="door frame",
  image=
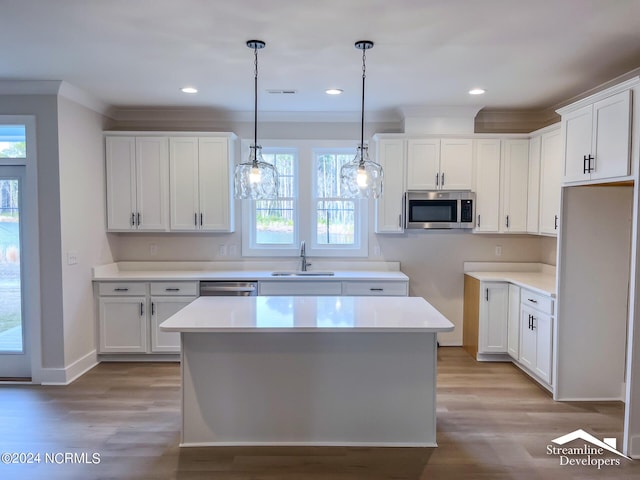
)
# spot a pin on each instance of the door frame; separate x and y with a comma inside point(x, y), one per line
point(31, 300)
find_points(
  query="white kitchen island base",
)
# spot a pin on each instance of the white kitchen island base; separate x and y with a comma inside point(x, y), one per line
point(355, 385)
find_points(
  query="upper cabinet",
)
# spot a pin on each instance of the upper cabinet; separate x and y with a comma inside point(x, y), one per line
point(487, 157)
point(137, 183)
point(390, 153)
point(201, 193)
point(157, 183)
point(440, 164)
point(596, 133)
point(550, 175)
point(514, 185)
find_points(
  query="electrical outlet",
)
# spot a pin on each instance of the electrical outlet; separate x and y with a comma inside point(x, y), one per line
point(498, 250)
point(153, 249)
point(233, 250)
point(222, 250)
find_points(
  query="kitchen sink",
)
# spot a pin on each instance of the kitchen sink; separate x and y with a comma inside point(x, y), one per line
point(302, 274)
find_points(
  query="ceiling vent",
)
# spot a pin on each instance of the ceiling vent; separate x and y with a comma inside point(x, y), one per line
point(282, 92)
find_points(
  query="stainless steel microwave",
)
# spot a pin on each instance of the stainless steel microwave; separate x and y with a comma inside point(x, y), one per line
point(439, 209)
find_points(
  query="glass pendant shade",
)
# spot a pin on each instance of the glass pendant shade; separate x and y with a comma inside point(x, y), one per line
point(256, 179)
point(361, 178)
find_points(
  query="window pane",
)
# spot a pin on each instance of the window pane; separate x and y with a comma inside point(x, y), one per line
point(274, 222)
point(328, 173)
point(336, 222)
point(12, 141)
point(284, 163)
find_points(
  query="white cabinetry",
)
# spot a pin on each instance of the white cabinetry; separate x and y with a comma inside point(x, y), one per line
point(487, 158)
point(513, 322)
point(391, 155)
point(494, 312)
point(533, 189)
point(536, 334)
point(129, 315)
point(137, 183)
point(166, 299)
point(550, 173)
point(439, 164)
point(334, 287)
point(122, 318)
point(201, 194)
point(596, 133)
point(515, 172)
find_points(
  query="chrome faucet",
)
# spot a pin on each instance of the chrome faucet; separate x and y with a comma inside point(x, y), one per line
point(303, 255)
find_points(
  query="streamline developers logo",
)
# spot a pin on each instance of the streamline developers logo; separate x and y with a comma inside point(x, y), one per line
point(592, 452)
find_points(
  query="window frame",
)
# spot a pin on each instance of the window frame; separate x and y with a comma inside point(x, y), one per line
point(305, 204)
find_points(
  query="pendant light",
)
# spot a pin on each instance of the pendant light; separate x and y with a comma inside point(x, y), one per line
point(256, 179)
point(361, 178)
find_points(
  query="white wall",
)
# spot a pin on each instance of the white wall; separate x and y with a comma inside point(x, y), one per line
point(82, 206)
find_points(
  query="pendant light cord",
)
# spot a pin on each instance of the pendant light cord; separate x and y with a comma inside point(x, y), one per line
point(362, 110)
point(255, 106)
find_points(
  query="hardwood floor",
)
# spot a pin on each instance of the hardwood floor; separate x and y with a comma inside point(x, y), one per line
point(493, 423)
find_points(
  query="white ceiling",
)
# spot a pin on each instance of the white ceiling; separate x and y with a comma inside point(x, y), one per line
point(129, 53)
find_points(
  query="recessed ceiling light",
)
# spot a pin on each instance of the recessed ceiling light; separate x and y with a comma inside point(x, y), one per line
point(189, 90)
point(333, 91)
point(477, 91)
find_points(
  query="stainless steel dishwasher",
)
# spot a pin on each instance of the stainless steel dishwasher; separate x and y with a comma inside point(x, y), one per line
point(228, 289)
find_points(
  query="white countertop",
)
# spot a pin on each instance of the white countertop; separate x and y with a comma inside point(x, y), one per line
point(542, 282)
point(308, 314)
point(234, 271)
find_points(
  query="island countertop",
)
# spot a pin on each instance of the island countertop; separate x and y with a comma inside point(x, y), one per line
point(291, 314)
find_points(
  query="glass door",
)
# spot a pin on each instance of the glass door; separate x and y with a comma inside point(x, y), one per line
point(14, 355)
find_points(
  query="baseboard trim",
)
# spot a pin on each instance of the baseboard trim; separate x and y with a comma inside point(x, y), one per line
point(66, 375)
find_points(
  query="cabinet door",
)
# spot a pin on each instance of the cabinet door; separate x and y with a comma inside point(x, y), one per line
point(184, 196)
point(214, 185)
point(456, 164)
point(423, 164)
point(533, 189)
point(544, 338)
point(121, 182)
point(487, 155)
point(527, 337)
point(513, 322)
point(122, 325)
point(152, 183)
point(161, 309)
point(577, 132)
point(515, 168)
point(551, 171)
point(494, 311)
point(611, 134)
point(389, 214)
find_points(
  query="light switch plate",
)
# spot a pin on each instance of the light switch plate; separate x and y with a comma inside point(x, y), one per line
point(72, 257)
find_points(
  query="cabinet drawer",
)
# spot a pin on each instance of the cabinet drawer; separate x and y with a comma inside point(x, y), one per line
point(392, 289)
point(300, 288)
point(174, 288)
point(122, 288)
point(536, 300)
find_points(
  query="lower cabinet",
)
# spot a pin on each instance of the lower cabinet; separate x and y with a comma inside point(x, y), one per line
point(502, 318)
point(129, 315)
point(494, 314)
point(536, 342)
point(123, 325)
point(161, 309)
point(334, 288)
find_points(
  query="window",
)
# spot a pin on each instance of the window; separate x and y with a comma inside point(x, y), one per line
point(309, 206)
point(13, 141)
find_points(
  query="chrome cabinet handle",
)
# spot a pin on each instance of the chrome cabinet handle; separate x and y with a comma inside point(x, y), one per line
point(437, 179)
point(486, 294)
point(555, 222)
point(138, 218)
point(153, 308)
point(507, 221)
point(195, 219)
point(133, 219)
point(442, 179)
point(201, 217)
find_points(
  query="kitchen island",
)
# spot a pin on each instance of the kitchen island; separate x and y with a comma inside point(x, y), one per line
point(308, 370)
